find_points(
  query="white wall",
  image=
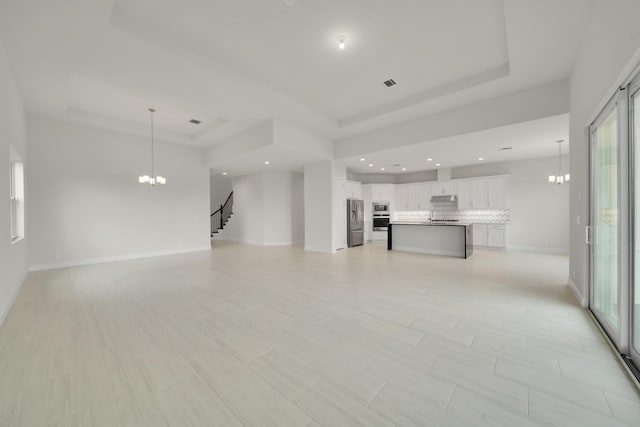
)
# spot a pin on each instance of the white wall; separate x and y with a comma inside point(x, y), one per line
point(373, 178)
point(539, 211)
point(611, 39)
point(404, 178)
point(13, 257)
point(219, 187)
point(297, 207)
point(246, 225)
point(86, 203)
point(267, 209)
point(319, 206)
point(277, 188)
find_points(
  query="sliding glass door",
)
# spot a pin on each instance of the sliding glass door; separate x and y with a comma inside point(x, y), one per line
point(605, 273)
point(634, 306)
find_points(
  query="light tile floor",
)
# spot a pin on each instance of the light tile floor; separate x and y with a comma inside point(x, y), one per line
point(260, 336)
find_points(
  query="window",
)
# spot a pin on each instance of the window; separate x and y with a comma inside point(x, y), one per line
point(16, 194)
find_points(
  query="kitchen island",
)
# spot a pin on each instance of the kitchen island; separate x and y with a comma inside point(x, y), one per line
point(436, 238)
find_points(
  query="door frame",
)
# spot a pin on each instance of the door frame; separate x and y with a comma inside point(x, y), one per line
point(619, 102)
point(634, 173)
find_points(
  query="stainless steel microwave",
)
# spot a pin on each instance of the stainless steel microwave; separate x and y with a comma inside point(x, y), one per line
point(380, 207)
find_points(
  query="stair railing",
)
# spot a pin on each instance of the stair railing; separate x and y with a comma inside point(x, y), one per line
point(220, 217)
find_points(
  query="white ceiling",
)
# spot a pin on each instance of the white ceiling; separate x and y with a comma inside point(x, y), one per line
point(234, 64)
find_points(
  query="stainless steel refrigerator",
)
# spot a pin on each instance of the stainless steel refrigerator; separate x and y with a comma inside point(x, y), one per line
point(355, 222)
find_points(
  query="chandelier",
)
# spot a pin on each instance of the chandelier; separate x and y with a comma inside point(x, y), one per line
point(560, 178)
point(153, 179)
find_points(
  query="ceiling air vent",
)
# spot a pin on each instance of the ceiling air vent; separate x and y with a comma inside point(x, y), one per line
point(389, 83)
point(195, 121)
point(505, 148)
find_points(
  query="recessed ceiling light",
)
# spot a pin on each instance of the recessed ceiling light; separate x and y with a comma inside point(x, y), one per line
point(370, 164)
point(404, 169)
point(341, 42)
point(428, 160)
point(362, 159)
point(224, 173)
point(480, 158)
point(437, 164)
point(266, 162)
point(381, 169)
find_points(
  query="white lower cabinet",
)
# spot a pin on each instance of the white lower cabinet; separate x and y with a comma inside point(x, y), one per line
point(490, 235)
point(497, 236)
point(479, 234)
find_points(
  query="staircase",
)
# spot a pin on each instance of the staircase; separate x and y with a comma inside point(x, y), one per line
point(221, 216)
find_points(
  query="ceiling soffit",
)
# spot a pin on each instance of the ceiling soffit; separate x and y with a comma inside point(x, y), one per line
point(126, 108)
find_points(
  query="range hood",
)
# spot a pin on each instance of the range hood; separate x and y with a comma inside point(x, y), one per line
point(449, 198)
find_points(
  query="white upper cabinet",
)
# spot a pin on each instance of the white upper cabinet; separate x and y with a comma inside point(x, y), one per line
point(497, 190)
point(473, 193)
point(444, 188)
point(382, 192)
point(480, 194)
point(465, 195)
point(354, 190)
point(420, 196)
point(413, 197)
point(402, 197)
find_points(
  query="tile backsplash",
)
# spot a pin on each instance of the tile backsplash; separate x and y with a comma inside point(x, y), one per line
point(450, 211)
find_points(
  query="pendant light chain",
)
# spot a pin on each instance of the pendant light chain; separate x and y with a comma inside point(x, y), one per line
point(560, 178)
point(153, 179)
point(559, 157)
point(151, 111)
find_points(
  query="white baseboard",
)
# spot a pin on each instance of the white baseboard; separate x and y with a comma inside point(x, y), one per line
point(5, 310)
point(239, 240)
point(258, 243)
point(319, 250)
point(102, 260)
point(535, 249)
point(289, 243)
point(582, 299)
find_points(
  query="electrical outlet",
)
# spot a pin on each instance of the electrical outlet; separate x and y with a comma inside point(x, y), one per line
point(573, 274)
point(578, 219)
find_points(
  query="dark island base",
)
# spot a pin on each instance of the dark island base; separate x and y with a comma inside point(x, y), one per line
point(468, 238)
